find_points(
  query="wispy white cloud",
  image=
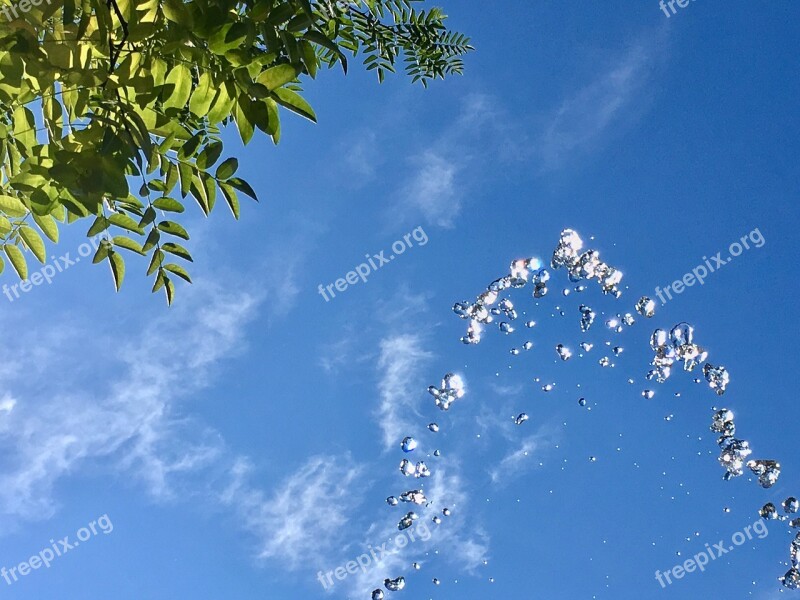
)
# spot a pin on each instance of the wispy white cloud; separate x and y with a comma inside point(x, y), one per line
point(432, 188)
point(55, 429)
point(518, 460)
point(400, 361)
point(301, 523)
point(440, 174)
point(588, 116)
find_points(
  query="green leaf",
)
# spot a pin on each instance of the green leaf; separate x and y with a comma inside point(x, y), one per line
point(294, 102)
point(278, 76)
point(229, 192)
point(168, 204)
point(159, 282)
point(34, 241)
point(179, 271)
point(173, 228)
point(178, 87)
point(186, 178)
point(117, 268)
point(243, 186)
point(12, 206)
point(155, 262)
point(25, 127)
point(243, 124)
point(17, 259)
point(177, 250)
point(169, 288)
point(100, 225)
point(102, 251)
point(126, 222)
point(152, 239)
point(125, 242)
point(203, 96)
point(48, 226)
point(209, 155)
point(227, 169)
point(175, 11)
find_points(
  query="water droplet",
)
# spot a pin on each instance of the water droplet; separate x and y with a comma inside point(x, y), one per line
point(791, 505)
point(433, 427)
point(408, 444)
point(768, 511)
point(407, 521)
point(377, 595)
point(587, 317)
point(648, 394)
point(521, 418)
point(391, 501)
point(791, 580)
point(582, 401)
point(413, 496)
point(407, 467)
point(717, 378)
point(394, 585)
point(646, 307)
point(421, 470)
point(563, 352)
point(767, 471)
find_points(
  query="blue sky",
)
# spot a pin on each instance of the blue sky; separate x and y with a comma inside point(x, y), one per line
point(246, 438)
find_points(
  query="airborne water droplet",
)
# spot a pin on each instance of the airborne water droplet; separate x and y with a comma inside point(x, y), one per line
point(767, 471)
point(563, 352)
point(408, 444)
point(768, 511)
point(407, 467)
point(521, 418)
point(791, 505)
point(646, 307)
point(394, 585)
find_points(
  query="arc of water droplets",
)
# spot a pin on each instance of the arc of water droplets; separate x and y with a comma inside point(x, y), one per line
point(677, 345)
